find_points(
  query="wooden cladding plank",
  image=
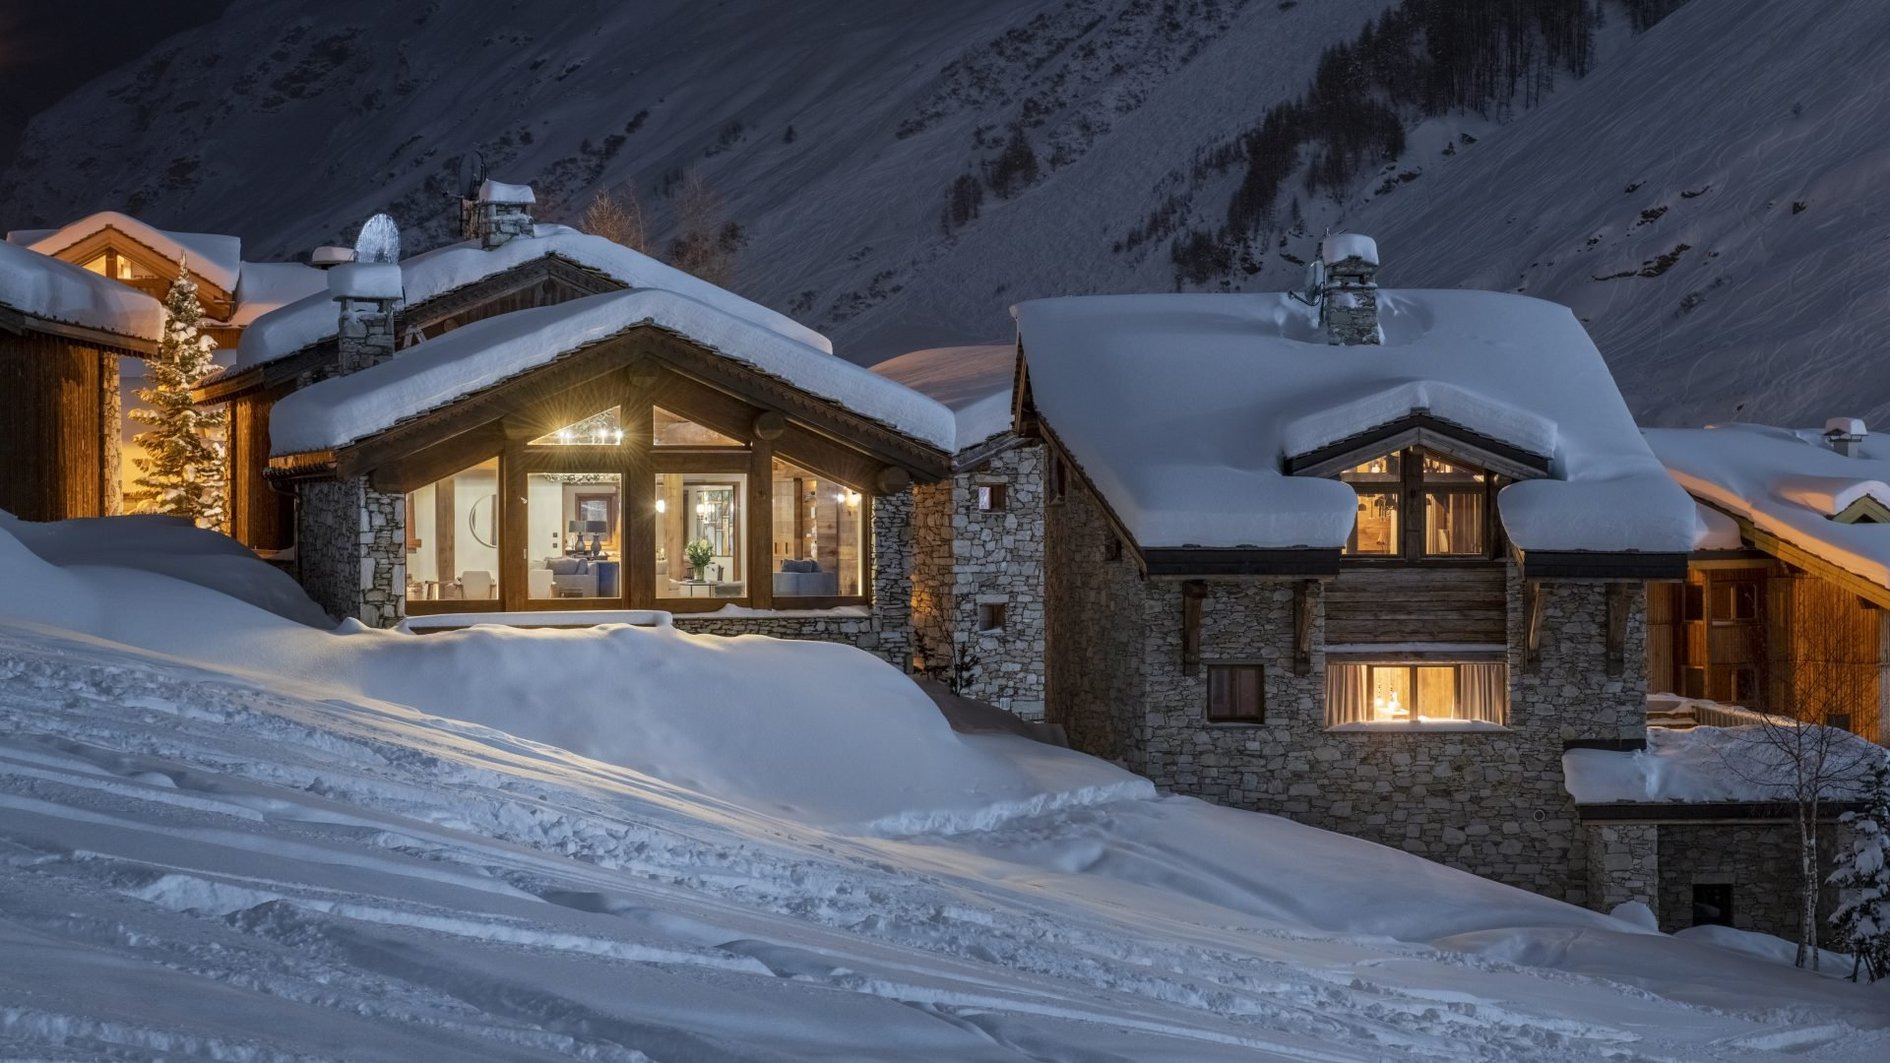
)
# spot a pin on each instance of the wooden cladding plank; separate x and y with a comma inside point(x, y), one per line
point(1414, 604)
point(51, 427)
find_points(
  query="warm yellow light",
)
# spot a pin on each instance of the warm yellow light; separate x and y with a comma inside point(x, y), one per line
point(662, 505)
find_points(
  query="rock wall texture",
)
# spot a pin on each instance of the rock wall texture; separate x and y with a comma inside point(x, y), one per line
point(1490, 802)
point(968, 560)
point(351, 549)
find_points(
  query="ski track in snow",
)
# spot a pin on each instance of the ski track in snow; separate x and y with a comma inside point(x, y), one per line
point(194, 866)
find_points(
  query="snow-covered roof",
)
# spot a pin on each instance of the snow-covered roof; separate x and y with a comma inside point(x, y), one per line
point(1702, 764)
point(1790, 483)
point(434, 273)
point(1182, 409)
point(265, 287)
point(216, 258)
point(492, 191)
point(973, 382)
point(434, 373)
point(44, 287)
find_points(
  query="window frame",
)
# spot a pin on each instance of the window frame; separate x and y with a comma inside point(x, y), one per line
point(1412, 662)
point(1213, 670)
point(1412, 491)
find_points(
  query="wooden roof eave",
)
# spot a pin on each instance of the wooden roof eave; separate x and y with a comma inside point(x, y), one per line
point(116, 342)
point(1785, 550)
point(94, 244)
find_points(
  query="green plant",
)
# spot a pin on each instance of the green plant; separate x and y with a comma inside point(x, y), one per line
point(699, 553)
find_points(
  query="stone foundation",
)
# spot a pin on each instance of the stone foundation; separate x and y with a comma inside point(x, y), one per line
point(967, 560)
point(351, 550)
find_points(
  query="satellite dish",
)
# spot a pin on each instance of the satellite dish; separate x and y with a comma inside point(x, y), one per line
point(379, 241)
point(472, 173)
point(1315, 279)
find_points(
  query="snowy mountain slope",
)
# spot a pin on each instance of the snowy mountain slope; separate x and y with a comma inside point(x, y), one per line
point(1711, 204)
point(368, 106)
point(224, 861)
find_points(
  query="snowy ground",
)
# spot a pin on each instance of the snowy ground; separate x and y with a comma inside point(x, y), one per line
point(200, 861)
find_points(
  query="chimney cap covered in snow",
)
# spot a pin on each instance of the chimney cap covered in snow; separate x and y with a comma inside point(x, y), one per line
point(491, 191)
point(371, 281)
point(1844, 434)
point(324, 257)
point(1341, 246)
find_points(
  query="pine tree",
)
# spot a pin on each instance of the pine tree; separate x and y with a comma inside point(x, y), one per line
point(182, 472)
point(1861, 922)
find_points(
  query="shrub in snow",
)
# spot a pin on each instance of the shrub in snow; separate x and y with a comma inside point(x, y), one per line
point(182, 472)
point(1861, 921)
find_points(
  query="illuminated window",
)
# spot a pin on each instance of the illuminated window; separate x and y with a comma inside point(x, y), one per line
point(701, 525)
point(574, 524)
point(598, 430)
point(453, 537)
point(1456, 499)
point(1416, 693)
point(673, 431)
point(819, 535)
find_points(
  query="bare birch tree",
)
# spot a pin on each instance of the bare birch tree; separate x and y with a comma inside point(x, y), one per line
point(617, 216)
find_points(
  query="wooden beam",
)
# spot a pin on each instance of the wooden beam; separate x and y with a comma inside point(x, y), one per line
point(1192, 593)
point(1617, 596)
point(759, 523)
point(1797, 555)
point(423, 467)
point(1302, 627)
point(891, 480)
point(639, 513)
point(1534, 601)
point(769, 424)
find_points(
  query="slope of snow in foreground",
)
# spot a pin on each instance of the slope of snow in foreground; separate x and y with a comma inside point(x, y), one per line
point(223, 837)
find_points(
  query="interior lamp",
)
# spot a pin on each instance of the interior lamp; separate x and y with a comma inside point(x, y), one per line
point(662, 505)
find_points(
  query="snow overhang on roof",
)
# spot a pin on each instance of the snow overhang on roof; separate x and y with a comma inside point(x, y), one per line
point(1788, 484)
point(1183, 410)
point(47, 289)
point(431, 375)
point(313, 320)
point(973, 382)
point(217, 258)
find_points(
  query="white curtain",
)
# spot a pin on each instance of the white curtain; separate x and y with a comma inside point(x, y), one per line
point(1483, 692)
point(1348, 694)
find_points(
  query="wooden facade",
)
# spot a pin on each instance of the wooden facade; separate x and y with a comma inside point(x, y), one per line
point(1449, 603)
point(1758, 632)
point(115, 246)
point(59, 420)
point(261, 517)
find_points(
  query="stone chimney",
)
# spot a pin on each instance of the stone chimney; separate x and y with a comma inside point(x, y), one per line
point(368, 293)
point(497, 214)
point(1349, 292)
point(1846, 435)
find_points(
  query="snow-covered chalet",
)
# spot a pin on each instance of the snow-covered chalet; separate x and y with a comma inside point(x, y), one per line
point(1371, 559)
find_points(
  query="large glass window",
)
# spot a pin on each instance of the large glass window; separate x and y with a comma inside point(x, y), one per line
point(669, 430)
point(453, 537)
point(1378, 483)
point(818, 535)
point(574, 521)
point(700, 531)
point(598, 430)
point(1456, 499)
point(1416, 693)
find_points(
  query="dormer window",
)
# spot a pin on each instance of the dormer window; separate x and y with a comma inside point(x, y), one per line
point(1453, 499)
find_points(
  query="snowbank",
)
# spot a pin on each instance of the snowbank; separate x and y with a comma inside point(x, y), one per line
point(265, 287)
point(1789, 483)
point(432, 374)
point(437, 272)
point(1701, 764)
point(1183, 408)
point(44, 287)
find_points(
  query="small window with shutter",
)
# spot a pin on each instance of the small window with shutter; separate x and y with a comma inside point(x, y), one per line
point(1235, 694)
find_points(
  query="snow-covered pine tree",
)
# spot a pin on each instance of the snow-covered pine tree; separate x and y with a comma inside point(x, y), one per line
point(182, 472)
point(1861, 921)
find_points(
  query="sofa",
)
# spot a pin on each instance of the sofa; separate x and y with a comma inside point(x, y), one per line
point(572, 577)
point(801, 578)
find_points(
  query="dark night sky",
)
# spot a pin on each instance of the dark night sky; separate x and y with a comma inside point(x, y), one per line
point(50, 47)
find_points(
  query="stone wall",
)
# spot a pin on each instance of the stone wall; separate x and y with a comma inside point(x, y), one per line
point(1093, 602)
point(966, 558)
point(1490, 802)
point(496, 224)
point(365, 336)
point(1758, 859)
point(351, 549)
point(1623, 865)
